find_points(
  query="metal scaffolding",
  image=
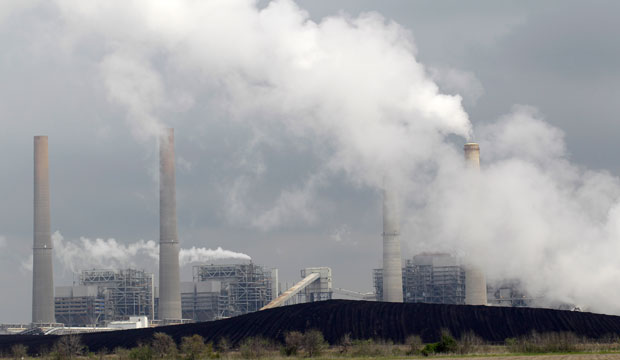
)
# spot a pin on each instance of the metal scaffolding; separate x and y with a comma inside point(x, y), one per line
point(377, 280)
point(104, 295)
point(429, 278)
point(244, 288)
point(127, 292)
point(434, 284)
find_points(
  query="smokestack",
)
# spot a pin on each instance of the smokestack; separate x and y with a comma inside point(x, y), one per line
point(475, 280)
point(169, 277)
point(42, 270)
point(472, 155)
point(392, 269)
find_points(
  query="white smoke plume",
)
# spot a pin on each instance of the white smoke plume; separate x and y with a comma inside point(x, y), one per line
point(2, 241)
point(460, 82)
point(201, 255)
point(101, 253)
point(108, 253)
point(530, 215)
point(352, 87)
point(351, 84)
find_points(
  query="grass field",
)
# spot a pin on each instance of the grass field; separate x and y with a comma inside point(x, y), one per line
point(312, 345)
point(546, 357)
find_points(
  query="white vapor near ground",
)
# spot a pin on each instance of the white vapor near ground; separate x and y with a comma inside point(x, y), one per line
point(350, 91)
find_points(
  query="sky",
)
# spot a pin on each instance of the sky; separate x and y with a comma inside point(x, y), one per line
point(288, 116)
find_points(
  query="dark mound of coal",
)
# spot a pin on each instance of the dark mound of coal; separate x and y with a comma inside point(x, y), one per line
point(360, 319)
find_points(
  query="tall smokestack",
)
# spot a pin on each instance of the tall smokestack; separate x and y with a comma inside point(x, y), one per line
point(169, 277)
point(392, 269)
point(42, 270)
point(475, 280)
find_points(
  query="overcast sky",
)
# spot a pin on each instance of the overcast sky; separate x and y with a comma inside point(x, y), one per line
point(239, 186)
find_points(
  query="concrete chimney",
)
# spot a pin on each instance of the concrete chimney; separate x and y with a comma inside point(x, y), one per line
point(475, 280)
point(42, 269)
point(169, 274)
point(472, 155)
point(392, 268)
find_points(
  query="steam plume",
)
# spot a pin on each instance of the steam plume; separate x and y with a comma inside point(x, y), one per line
point(195, 254)
point(311, 84)
point(108, 253)
point(530, 215)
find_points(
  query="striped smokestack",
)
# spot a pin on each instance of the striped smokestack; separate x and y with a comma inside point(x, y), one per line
point(392, 270)
point(475, 280)
point(169, 277)
point(42, 270)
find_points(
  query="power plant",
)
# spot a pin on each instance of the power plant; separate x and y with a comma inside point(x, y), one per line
point(42, 267)
point(220, 291)
point(169, 272)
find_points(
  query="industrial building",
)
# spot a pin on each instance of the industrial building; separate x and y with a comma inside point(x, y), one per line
point(318, 290)
point(220, 291)
point(508, 293)
point(202, 301)
point(441, 278)
point(315, 285)
point(103, 296)
point(430, 278)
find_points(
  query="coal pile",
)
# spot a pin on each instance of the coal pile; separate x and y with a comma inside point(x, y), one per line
point(360, 319)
